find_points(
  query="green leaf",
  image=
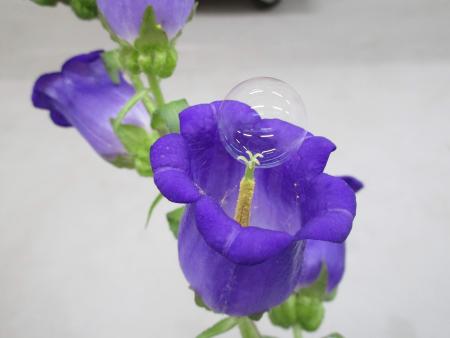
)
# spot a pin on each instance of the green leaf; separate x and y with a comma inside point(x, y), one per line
point(137, 142)
point(112, 65)
point(155, 202)
point(166, 118)
point(174, 218)
point(248, 328)
point(220, 327)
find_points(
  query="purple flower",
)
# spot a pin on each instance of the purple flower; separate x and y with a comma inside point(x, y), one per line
point(125, 16)
point(245, 270)
point(82, 95)
point(331, 254)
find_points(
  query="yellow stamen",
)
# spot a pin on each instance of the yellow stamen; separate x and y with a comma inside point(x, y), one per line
point(246, 189)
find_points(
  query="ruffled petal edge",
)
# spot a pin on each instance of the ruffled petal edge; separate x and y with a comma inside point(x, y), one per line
point(331, 206)
point(241, 245)
point(170, 164)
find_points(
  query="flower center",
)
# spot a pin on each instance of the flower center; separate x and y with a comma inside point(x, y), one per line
point(246, 189)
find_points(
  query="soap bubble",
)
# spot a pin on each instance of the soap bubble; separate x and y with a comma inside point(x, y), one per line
point(262, 116)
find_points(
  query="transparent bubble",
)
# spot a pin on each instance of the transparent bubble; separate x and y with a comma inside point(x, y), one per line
point(262, 116)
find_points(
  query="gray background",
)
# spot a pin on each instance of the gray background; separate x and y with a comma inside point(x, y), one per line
point(75, 260)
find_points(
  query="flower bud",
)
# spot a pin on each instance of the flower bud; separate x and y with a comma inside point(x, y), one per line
point(129, 61)
point(310, 312)
point(171, 63)
point(84, 9)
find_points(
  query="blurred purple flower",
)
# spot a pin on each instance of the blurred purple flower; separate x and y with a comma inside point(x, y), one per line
point(245, 270)
point(82, 95)
point(125, 16)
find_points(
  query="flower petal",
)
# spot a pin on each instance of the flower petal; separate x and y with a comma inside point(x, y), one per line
point(329, 209)
point(242, 245)
point(316, 254)
point(44, 91)
point(125, 16)
point(213, 169)
point(311, 159)
point(170, 164)
point(353, 182)
point(83, 95)
point(235, 289)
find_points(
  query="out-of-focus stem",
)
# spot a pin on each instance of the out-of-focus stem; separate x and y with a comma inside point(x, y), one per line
point(129, 105)
point(139, 86)
point(248, 328)
point(297, 330)
point(156, 90)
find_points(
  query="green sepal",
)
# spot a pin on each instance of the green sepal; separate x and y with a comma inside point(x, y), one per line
point(174, 218)
point(137, 142)
point(170, 63)
point(284, 315)
point(310, 312)
point(330, 296)
point(334, 335)
point(319, 288)
point(128, 59)
point(256, 316)
point(155, 202)
point(193, 12)
point(199, 302)
point(305, 307)
point(220, 327)
point(151, 33)
point(191, 16)
point(156, 55)
point(158, 60)
point(123, 162)
point(46, 2)
point(85, 9)
point(248, 328)
point(166, 118)
point(112, 35)
point(112, 65)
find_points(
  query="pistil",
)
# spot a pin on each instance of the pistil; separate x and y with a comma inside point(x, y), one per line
point(246, 189)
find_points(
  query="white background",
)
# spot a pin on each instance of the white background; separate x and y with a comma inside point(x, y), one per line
point(75, 260)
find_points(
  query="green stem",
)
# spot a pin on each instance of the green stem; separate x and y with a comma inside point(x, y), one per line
point(156, 89)
point(139, 86)
point(297, 331)
point(248, 328)
point(128, 106)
